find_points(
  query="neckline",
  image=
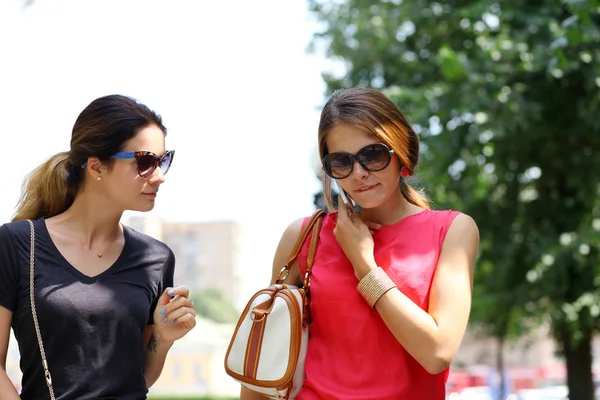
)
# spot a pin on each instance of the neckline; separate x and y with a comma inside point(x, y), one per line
point(63, 261)
point(397, 223)
point(406, 218)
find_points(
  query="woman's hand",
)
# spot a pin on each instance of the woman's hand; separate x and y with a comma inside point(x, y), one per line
point(355, 238)
point(174, 316)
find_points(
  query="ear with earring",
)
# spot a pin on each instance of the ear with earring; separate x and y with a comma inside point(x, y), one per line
point(404, 172)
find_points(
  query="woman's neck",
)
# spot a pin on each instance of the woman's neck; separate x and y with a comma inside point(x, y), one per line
point(390, 212)
point(91, 217)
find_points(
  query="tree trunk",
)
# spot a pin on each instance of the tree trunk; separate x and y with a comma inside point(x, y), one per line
point(579, 367)
point(500, 367)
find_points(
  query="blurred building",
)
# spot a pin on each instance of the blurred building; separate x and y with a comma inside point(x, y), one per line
point(195, 364)
point(207, 253)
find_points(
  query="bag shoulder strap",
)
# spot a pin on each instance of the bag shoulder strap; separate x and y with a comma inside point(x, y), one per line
point(33, 310)
point(314, 226)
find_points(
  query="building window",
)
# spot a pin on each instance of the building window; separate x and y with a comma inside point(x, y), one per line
point(176, 370)
point(198, 372)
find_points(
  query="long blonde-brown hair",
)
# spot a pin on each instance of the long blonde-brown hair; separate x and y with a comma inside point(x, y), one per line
point(372, 112)
point(100, 131)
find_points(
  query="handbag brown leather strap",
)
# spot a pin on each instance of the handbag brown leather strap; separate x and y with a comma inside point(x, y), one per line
point(314, 226)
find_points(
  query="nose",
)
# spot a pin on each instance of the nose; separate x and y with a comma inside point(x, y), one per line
point(157, 177)
point(358, 172)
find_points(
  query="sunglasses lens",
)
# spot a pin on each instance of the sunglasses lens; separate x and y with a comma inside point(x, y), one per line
point(166, 162)
point(375, 157)
point(146, 165)
point(338, 165)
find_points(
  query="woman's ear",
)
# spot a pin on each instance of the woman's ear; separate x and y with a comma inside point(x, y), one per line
point(95, 167)
point(405, 171)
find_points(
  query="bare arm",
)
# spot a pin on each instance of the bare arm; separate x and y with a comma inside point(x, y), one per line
point(156, 354)
point(284, 248)
point(174, 317)
point(6, 386)
point(434, 337)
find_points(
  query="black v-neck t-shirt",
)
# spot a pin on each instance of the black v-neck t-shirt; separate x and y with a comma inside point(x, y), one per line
point(92, 327)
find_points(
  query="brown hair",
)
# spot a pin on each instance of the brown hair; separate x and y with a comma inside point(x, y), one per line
point(100, 131)
point(372, 112)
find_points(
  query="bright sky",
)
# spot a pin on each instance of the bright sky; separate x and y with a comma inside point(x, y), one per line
point(232, 80)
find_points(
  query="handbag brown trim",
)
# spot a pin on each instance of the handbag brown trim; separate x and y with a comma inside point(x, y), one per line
point(296, 330)
point(313, 225)
point(261, 311)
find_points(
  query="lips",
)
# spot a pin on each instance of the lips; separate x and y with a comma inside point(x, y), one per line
point(150, 194)
point(366, 188)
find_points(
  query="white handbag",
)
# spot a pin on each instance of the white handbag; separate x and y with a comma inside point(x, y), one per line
point(267, 351)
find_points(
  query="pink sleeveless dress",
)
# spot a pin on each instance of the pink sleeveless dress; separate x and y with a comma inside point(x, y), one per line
point(351, 352)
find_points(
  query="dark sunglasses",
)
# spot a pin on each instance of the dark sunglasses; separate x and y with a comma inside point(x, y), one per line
point(373, 158)
point(147, 162)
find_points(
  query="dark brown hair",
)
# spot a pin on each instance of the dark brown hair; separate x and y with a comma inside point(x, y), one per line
point(100, 131)
point(372, 112)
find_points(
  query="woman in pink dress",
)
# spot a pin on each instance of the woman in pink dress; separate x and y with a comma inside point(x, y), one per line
point(392, 279)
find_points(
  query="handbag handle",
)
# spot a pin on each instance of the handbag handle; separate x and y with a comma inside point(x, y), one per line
point(34, 313)
point(314, 226)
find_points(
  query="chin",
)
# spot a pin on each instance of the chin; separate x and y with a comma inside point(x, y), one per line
point(372, 202)
point(142, 208)
point(369, 204)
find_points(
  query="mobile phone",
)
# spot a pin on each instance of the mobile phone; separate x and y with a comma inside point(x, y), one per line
point(345, 197)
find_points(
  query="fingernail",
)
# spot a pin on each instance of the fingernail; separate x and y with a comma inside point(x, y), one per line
point(165, 319)
point(171, 292)
point(162, 311)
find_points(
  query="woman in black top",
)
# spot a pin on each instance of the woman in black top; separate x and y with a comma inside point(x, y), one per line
point(107, 309)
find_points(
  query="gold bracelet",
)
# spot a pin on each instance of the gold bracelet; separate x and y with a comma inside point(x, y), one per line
point(374, 285)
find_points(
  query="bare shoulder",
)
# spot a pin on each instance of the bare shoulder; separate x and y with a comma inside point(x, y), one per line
point(284, 248)
point(462, 237)
point(463, 224)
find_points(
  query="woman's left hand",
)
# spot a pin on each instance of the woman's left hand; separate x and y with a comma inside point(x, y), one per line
point(174, 316)
point(355, 238)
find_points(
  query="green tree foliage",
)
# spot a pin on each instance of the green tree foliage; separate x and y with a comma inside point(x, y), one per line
point(210, 304)
point(506, 98)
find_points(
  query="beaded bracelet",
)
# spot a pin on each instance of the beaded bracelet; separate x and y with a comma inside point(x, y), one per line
point(374, 285)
